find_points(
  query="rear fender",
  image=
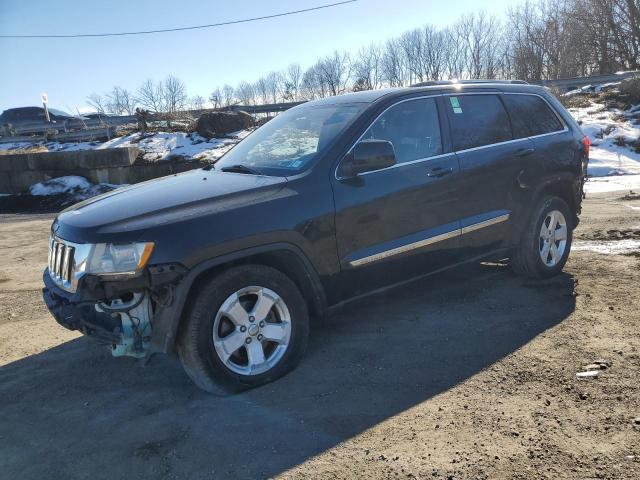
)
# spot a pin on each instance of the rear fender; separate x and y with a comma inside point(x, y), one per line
point(565, 185)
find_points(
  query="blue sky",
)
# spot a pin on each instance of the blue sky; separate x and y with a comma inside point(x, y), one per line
point(70, 69)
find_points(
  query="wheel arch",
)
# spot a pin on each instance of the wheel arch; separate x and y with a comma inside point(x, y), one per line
point(285, 257)
point(562, 186)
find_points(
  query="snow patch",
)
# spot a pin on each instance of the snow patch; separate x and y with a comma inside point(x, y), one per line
point(155, 147)
point(610, 247)
point(59, 185)
point(74, 187)
point(612, 184)
point(606, 130)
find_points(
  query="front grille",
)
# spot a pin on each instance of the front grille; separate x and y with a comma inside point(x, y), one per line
point(60, 261)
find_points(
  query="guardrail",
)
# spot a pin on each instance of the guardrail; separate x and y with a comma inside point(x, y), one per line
point(78, 129)
point(577, 82)
point(267, 108)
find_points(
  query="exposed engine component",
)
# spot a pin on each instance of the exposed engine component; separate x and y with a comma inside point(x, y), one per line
point(135, 316)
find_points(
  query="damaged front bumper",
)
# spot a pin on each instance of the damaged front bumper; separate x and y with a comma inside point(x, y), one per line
point(121, 320)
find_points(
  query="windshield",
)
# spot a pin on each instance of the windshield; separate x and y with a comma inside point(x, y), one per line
point(292, 141)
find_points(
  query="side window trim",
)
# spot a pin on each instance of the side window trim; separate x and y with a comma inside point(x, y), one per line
point(564, 124)
point(504, 105)
point(494, 93)
point(448, 148)
point(412, 162)
point(558, 116)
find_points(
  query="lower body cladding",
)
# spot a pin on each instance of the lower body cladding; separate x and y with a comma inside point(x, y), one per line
point(123, 322)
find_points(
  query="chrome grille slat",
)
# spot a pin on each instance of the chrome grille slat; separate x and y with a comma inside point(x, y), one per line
point(61, 262)
point(58, 265)
point(65, 263)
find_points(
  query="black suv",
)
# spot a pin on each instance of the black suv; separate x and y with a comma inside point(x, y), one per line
point(331, 200)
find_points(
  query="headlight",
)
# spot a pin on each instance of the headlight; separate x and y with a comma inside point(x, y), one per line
point(126, 259)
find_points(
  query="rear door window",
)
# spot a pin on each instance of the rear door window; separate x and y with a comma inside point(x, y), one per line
point(412, 127)
point(531, 116)
point(477, 120)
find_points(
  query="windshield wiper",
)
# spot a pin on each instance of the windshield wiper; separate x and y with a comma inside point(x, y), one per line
point(241, 169)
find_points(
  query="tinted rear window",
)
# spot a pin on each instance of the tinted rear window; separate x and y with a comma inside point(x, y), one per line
point(477, 120)
point(531, 115)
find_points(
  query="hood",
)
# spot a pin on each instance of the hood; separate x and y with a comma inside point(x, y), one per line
point(124, 214)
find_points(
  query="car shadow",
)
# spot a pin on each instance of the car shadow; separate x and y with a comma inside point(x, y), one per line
point(76, 412)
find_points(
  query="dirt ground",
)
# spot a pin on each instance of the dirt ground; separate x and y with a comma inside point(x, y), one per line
point(467, 375)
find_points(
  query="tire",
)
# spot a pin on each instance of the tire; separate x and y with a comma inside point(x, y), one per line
point(220, 319)
point(527, 256)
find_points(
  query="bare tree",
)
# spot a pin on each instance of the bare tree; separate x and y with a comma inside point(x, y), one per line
point(366, 68)
point(227, 95)
point(246, 94)
point(274, 83)
point(311, 86)
point(120, 101)
point(412, 46)
point(197, 102)
point(262, 90)
point(622, 17)
point(216, 98)
point(393, 64)
point(434, 52)
point(481, 34)
point(334, 72)
point(96, 101)
point(539, 39)
point(175, 94)
point(151, 96)
point(292, 77)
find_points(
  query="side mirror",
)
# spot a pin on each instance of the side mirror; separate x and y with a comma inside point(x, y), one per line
point(367, 156)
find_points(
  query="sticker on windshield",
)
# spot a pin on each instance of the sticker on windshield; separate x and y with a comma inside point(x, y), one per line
point(455, 104)
point(296, 164)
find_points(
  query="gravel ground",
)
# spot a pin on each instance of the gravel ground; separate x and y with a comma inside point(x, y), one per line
point(467, 375)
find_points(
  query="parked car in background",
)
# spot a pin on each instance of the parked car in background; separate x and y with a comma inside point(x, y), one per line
point(329, 201)
point(17, 116)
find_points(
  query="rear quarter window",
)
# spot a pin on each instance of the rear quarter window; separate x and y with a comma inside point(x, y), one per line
point(477, 120)
point(531, 116)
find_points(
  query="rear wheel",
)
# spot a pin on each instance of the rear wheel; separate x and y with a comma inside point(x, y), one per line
point(546, 242)
point(248, 326)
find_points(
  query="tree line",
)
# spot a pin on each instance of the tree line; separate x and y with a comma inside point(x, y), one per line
point(537, 40)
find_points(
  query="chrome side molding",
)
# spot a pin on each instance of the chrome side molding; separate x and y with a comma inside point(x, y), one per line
point(428, 241)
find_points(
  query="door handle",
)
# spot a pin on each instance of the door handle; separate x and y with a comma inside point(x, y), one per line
point(523, 152)
point(438, 172)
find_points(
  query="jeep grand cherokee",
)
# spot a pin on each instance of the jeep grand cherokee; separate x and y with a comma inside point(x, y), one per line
point(329, 201)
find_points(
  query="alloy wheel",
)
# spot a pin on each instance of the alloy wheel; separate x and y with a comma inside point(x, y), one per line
point(252, 330)
point(553, 238)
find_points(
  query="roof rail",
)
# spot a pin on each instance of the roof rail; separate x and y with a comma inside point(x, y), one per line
point(467, 82)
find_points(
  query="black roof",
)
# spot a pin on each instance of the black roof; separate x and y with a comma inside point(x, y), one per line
point(370, 96)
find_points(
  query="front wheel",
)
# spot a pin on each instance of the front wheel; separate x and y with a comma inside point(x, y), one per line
point(546, 242)
point(248, 326)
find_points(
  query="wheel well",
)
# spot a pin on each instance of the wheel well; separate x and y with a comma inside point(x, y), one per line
point(286, 262)
point(559, 188)
point(564, 190)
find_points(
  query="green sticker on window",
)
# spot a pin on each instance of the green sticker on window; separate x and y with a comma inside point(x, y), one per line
point(455, 104)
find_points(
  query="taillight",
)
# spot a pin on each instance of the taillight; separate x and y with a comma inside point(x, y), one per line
point(587, 144)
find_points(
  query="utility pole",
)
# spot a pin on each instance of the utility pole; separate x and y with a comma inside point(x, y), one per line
point(45, 100)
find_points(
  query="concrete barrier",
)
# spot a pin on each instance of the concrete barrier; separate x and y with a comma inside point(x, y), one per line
point(114, 165)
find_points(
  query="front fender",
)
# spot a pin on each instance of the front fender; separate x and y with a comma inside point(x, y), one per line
point(167, 317)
